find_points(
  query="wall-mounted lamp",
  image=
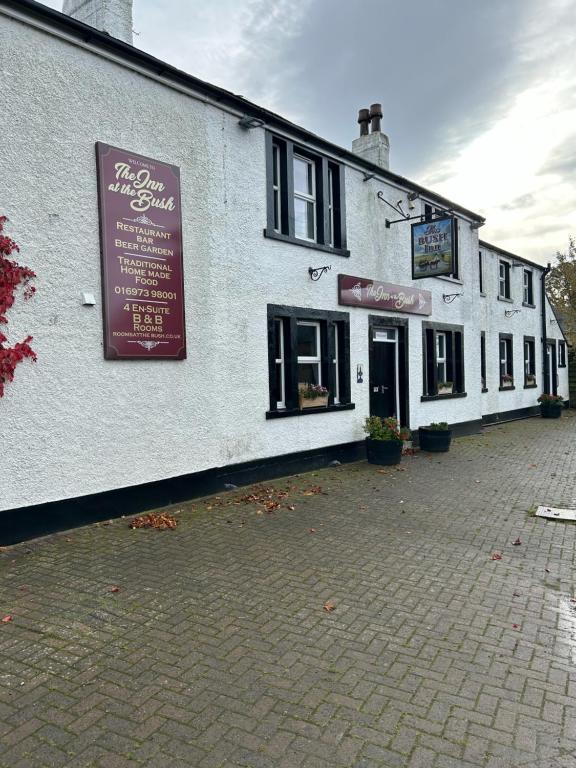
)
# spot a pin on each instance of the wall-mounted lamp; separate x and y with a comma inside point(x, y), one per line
point(448, 298)
point(248, 122)
point(88, 299)
point(510, 312)
point(368, 176)
point(413, 196)
point(317, 272)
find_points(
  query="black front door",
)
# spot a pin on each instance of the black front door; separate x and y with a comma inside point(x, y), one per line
point(383, 374)
point(551, 383)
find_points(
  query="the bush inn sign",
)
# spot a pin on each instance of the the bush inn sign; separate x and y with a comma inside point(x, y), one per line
point(433, 248)
point(141, 242)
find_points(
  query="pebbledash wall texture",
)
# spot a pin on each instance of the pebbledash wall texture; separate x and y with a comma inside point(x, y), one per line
point(74, 423)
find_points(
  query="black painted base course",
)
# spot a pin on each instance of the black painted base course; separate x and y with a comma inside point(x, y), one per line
point(30, 522)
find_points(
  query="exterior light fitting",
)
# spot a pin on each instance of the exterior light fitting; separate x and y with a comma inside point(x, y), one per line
point(317, 272)
point(448, 298)
point(248, 122)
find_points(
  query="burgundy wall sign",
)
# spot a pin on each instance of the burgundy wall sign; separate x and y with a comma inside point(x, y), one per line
point(141, 242)
point(361, 292)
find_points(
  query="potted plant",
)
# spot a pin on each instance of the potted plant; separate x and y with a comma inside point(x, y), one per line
point(445, 387)
point(507, 380)
point(436, 437)
point(551, 406)
point(312, 396)
point(406, 436)
point(384, 442)
point(530, 380)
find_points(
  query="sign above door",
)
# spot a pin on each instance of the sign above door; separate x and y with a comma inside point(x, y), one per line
point(373, 294)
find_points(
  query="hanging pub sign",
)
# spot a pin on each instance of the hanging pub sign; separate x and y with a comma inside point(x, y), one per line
point(141, 243)
point(362, 292)
point(433, 248)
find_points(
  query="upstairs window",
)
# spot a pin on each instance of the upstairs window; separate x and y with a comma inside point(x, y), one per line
point(506, 362)
point(443, 360)
point(483, 361)
point(504, 280)
point(528, 294)
point(481, 270)
point(305, 197)
point(561, 354)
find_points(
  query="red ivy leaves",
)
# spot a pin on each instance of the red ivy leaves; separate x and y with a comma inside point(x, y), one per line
point(11, 276)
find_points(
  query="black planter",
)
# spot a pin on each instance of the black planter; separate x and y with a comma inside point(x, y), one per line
point(384, 452)
point(551, 410)
point(434, 440)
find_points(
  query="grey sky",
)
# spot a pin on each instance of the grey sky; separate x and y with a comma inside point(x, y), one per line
point(479, 97)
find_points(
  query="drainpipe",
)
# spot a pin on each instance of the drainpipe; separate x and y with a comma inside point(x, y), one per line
point(544, 332)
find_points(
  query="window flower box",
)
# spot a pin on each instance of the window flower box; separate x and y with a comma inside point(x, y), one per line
point(530, 380)
point(313, 396)
point(507, 380)
point(445, 387)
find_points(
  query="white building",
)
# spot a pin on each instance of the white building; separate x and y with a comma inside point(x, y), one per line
point(262, 201)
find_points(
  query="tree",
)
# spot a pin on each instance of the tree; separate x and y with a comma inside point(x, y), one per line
point(561, 289)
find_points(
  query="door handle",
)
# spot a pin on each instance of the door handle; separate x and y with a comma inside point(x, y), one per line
point(383, 389)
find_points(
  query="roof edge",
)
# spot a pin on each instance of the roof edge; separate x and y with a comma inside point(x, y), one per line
point(484, 244)
point(93, 36)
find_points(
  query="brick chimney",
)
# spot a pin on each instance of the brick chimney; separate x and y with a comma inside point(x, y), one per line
point(111, 16)
point(373, 146)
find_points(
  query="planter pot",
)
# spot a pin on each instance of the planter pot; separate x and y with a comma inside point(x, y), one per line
point(435, 440)
point(384, 452)
point(317, 402)
point(551, 410)
point(445, 390)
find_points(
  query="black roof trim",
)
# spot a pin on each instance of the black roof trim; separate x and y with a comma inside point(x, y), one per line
point(510, 255)
point(144, 60)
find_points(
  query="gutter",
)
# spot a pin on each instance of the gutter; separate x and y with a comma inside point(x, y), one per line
point(544, 332)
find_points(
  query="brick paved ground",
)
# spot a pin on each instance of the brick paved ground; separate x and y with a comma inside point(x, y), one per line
point(216, 651)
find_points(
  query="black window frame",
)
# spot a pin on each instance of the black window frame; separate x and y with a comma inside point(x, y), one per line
point(507, 280)
point(454, 360)
point(530, 302)
point(481, 272)
point(331, 323)
point(562, 354)
point(322, 165)
point(508, 339)
point(483, 380)
point(531, 342)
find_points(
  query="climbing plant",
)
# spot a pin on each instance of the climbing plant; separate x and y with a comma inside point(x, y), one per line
point(12, 275)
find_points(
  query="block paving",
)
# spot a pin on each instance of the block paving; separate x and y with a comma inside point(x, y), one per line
point(216, 649)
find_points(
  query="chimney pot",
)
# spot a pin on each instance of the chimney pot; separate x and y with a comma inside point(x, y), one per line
point(111, 16)
point(376, 117)
point(364, 120)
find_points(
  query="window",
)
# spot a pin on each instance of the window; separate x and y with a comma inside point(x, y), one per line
point(561, 354)
point(305, 197)
point(443, 360)
point(529, 361)
point(481, 270)
point(483, 361)
point(307, 346)
point(506, 362)
point(528, 295)
point(504, 282)
point(431, 213)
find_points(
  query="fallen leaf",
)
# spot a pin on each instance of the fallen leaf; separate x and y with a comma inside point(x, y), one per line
point(496, 556)
point(515, 626)
point(161, 522)
point(547, 570)
point(329, 607)
point(291, 507)
point(311, 530)
point(6, 619)
point(516, 543)
point(533, 466)
point(114, 589)
point(517, 594)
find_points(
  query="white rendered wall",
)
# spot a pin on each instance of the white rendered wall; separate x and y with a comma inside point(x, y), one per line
point(75, 424)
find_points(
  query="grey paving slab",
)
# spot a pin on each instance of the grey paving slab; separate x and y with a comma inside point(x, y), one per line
point(217, 649)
